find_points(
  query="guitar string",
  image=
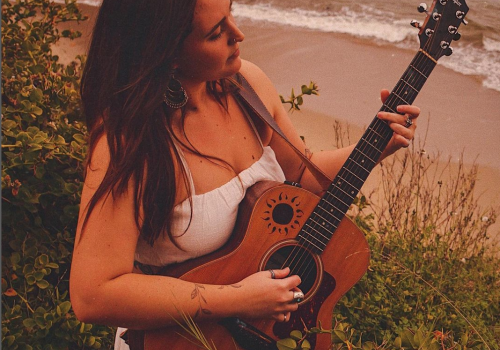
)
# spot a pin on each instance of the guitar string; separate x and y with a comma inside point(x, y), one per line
point(408, 81)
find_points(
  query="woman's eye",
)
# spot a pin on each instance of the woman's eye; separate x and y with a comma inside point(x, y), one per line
point(216, 36)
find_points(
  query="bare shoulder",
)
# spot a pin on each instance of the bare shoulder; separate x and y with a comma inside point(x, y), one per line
point(262, 85)
point(99, 162)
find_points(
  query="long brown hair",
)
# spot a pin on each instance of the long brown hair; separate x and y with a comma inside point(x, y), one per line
point(130, 58)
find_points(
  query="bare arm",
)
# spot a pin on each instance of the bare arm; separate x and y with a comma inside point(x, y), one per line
point(329, 161)
point(105, 290)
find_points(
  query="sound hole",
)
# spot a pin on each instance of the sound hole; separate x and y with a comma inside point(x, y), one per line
point(299, 260)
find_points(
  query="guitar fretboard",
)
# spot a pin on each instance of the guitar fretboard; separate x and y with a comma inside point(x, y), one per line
point(333, 206)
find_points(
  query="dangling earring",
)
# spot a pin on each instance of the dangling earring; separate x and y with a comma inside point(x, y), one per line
point(175, 96)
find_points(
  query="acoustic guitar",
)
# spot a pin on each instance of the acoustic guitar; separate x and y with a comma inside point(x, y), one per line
point(284, 225)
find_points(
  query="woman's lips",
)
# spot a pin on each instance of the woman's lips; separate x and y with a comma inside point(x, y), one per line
point(235, 54)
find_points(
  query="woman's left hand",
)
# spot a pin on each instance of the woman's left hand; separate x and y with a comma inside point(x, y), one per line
point(403, 125)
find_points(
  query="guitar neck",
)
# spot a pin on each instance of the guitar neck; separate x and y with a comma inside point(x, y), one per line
point(322, 223)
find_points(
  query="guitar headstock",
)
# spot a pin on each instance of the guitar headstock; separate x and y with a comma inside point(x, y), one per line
point(441, 26)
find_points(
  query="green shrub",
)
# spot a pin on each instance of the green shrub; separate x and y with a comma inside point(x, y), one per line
point(432, 264)
point(43, 149)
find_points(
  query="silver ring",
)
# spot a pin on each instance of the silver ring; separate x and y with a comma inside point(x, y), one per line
point(284, 318)
point(298, 296)
point(273, 275)
point(408, 122)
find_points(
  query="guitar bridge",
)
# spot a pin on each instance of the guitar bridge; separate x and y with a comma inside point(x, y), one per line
point(247, 336)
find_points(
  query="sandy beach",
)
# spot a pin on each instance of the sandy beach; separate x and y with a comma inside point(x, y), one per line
point(458, 115)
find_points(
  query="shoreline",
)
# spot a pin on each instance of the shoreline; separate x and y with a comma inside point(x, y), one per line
point(460, 109)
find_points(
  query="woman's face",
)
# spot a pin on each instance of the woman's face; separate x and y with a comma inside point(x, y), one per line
point(210, 51)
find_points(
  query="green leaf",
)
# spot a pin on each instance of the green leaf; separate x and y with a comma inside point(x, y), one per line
point(43, 284)
point(30, 279)
point(407, 339)
point(15, 258)
point(37, 69)
point(286, 344)
point(29, 323)
point(36, 95)
point(43, 259)
point(36, 110)
point(39, 275)
point(338, 336)
point(79, 138)
point(296, 335)
point(39, 172)
point(10, 339)
point(64, 307)
point(370, 345)
point(9, 124)
point(306, 345)
point(28, 268)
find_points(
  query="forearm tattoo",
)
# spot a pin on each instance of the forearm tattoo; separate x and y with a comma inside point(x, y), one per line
point(197, 293)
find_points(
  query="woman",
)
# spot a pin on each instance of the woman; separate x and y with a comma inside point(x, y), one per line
point(159, 165)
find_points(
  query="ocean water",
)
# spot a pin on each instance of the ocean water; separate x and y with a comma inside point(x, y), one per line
point(387, 22)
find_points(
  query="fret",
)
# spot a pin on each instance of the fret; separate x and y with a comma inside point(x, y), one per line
point(406, 93)
point(414, 78)
point(376, 131)
point(372, 129)
point(343, 207)
point(371, 145)
point(324, 225)
point(315, 237)
point(359, 165)
point(317, 218)
point(312, 243)
point(389, 108)
point(365, 156)
point(406, 88)
point(339, 202)
point(419, 72)
point(350, 185)
point(401, 98)
point(331, 213)
point(361, 179)
point(409, 85)
point(338, 188)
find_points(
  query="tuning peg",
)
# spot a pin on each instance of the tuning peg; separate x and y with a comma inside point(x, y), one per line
point(422, 7)
point(415, 23)
point(454, 30)
point(461, 15)
point(448, 51)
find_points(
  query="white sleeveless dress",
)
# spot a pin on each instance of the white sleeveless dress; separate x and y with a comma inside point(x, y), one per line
point(212, 221)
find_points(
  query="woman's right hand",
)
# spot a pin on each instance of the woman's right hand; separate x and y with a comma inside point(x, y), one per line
point(268, 297)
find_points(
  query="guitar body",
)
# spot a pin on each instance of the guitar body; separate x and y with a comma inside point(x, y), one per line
point(264, 238)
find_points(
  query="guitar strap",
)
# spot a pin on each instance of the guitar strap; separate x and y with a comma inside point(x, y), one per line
point(250, 101)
